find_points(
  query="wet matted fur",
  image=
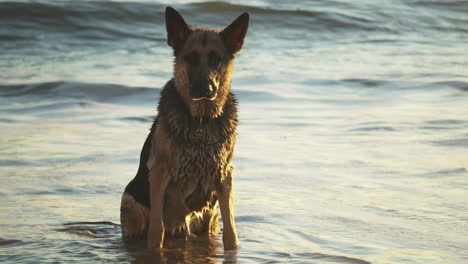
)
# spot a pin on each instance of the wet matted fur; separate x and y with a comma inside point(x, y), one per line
point(185, 170)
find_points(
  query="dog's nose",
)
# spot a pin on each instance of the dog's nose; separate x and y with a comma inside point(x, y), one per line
point(210, 92)
point(212, 87)
point(204, 90)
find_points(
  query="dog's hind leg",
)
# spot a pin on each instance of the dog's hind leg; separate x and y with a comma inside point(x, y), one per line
point(134, 218)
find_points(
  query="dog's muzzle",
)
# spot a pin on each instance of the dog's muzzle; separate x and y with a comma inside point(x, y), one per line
point(204, 91)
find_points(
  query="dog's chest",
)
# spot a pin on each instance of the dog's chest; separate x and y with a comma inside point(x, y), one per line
point(199, 150)
point(200, 165)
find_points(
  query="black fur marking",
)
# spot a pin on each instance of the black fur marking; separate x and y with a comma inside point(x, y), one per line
point(204, 39)
point(138, 188)
point(213, 59)
point(193, 58)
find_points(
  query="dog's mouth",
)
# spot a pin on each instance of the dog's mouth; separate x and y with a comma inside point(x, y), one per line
point(204, 89)
point(213, 97)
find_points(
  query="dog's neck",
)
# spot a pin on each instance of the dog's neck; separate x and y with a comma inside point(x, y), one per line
point(183, 125)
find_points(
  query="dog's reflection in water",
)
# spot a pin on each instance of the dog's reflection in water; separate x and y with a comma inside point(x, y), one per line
point(203, 249)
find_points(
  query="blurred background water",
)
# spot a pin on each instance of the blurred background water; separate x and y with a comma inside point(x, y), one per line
point(353, 134)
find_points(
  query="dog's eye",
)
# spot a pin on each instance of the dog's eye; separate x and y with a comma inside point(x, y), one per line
point(193, 58)
point(213, 59)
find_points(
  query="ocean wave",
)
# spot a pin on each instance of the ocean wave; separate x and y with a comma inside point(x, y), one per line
point(375, 129)
point(450, 172)
point(98, 229)
point(7, 242)
point(69, 11)
point(108, 92)
point(463, 86)
point(88, 91)
point(130, 12)
point(83, 20)
point(114, 93)
point(144, 20)
point(457, 142)
point(455, 5)
point(135, 19)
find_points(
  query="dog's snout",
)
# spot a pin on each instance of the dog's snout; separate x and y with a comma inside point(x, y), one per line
point(205, 89)
point(212, 90)
point(212, 87)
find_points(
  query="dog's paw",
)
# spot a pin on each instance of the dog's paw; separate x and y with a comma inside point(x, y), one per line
point(231, 245)
point(158, 250)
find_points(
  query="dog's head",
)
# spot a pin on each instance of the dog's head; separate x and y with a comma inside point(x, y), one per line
point(203, 61)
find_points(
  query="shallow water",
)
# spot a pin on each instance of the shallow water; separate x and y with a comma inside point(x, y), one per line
point(353, 134)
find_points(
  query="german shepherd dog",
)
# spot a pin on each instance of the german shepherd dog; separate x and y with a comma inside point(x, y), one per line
point(185, 164)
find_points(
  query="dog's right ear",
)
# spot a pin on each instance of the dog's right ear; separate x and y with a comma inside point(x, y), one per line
point(177, 29)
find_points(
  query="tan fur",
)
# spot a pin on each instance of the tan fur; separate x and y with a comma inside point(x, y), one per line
point(134, 217)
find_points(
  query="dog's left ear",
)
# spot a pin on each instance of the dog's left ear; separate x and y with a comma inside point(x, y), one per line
point(234, 34)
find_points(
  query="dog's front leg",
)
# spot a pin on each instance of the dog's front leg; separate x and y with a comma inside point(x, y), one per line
point(226, 203)
point(158, 180)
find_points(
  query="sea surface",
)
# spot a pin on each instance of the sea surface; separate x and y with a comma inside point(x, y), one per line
point(353, 134)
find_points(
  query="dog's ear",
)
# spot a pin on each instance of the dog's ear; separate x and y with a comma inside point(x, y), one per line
point(177, 29)
point(234, 34)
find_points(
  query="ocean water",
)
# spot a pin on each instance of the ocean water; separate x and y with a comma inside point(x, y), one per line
point(353, 134)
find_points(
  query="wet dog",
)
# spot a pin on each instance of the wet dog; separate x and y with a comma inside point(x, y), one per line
point(185, 170)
